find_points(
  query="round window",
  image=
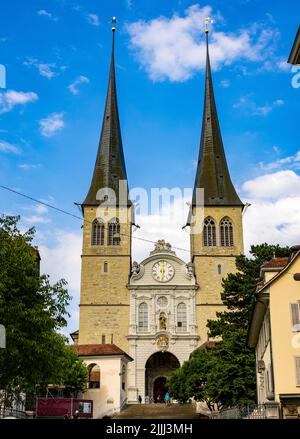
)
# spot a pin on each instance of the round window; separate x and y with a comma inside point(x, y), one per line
point(162, 301)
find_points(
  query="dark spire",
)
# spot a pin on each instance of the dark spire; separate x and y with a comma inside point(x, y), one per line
point(110, 164)
point(212, 170)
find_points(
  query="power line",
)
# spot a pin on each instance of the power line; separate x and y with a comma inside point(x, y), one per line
point(28, 197)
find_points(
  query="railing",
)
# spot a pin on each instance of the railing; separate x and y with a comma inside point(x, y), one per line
point(18, 414)
point(259, 411)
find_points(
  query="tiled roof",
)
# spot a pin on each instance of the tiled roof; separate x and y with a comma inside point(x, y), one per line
point(98, 350)
point(276, 263)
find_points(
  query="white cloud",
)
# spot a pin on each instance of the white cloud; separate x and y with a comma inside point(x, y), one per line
point(225, 83)
point(38, 215)
point(248, 106)
point(9, 147)
point(28, 166)
point(274, 216)
point(292, 161)
point(174, 48)
point(12, 98)
point(74, 86)
point(46, 70)
point(93, 19)
point(47, 14)
point(51, 124)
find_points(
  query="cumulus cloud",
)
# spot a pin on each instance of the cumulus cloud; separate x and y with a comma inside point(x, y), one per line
point(48, 70)
point(292, 161)
point(52, 124)
point(174, 48)
point(11, 98)
point(248, 106)
point(93, 19)
point(74, 86)
point(9, 147)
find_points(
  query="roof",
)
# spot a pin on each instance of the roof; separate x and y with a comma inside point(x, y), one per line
point(294, 57)
point(110, 164)
point(276, 263)
point(94, 350)
point(212, 170)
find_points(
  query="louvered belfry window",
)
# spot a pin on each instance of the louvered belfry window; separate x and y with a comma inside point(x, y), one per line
point(98, 232)
point(226, 233)
point(209, 233)
point(114, 237)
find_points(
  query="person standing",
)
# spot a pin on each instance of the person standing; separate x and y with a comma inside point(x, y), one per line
point(167, 398)
point(140, 399)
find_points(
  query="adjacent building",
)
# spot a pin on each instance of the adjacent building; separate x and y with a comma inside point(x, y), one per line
point(274, 332)
point(294, 57)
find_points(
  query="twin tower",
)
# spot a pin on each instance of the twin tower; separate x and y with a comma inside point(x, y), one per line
point(107, 241)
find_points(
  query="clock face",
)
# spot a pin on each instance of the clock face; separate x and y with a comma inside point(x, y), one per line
point(163, 271)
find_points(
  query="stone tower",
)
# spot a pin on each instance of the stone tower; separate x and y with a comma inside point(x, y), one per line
point(216, 242)
point(106, 252)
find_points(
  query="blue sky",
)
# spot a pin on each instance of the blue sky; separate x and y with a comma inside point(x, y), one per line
point(56, 55)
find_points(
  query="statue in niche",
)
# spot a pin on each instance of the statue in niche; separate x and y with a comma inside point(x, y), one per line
point(162, 321)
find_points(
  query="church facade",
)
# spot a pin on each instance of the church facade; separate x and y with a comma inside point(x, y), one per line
point(153, 312)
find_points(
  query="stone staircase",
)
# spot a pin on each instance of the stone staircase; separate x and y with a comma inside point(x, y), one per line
point(158, 411)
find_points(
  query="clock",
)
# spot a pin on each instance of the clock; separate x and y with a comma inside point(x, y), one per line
point(163, 271)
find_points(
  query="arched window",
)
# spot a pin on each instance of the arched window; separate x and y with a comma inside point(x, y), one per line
point(143, 317)
point(94, 376)
point(114, 237)
point(98, 232)
point(209, 233)
point(181, 318)
point(226, 232)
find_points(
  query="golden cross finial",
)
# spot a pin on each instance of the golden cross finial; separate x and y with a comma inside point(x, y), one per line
point(207, 22)
point(114, 21)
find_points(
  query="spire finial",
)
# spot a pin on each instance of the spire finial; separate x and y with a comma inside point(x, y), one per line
point(114, 22)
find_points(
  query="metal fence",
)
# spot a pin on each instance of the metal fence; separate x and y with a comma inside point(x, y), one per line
point(10, 413)
point(259, 411)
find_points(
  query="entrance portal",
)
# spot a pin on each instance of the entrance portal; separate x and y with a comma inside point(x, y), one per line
point(159, 389)
point(158, 368)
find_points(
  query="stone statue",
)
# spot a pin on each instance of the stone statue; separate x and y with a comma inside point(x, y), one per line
point(162, 321)
point(190, 269)
point(161, 246)
point(135, 268)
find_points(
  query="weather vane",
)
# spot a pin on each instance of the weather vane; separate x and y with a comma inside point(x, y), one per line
point(114, 21)
point(207, 22)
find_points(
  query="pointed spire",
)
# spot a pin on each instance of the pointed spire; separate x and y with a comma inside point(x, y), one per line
point(110, 164)
point(212, 170)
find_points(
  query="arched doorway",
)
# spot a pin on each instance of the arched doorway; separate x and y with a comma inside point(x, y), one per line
point(159, 389)
point(159, 367)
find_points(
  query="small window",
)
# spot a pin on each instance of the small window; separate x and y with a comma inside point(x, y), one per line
point(297, 366)
point(226, 233)
point(295, 315)
point(123, 377)
point(219, 269)
point(103, 338)
point(105, 267)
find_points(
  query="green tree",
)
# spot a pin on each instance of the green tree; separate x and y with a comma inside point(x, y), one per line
point(32, 311)
point(74, 373)
point(225, 375)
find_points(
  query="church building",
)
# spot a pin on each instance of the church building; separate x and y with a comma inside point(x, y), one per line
point(139, 321)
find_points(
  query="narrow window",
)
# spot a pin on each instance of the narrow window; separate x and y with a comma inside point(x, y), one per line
point(143, 317)
point(295, 314)
point(209, 233)
point(181, 318)
point(105, 267)
point(103, 338)
point(226, 233)
point(98, 232)
point(123, 377)
point(114, 236)
point(219, 269)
